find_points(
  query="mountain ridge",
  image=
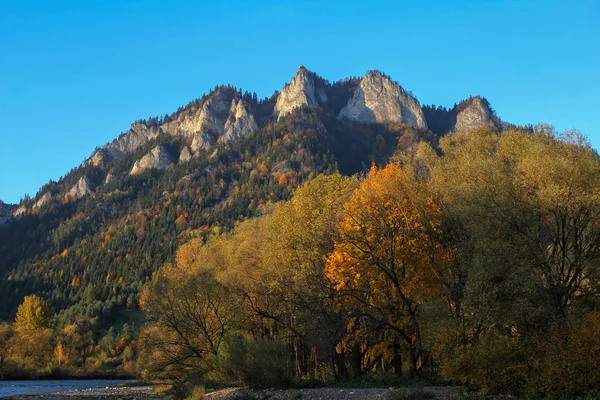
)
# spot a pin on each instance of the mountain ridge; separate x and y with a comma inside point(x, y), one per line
point(197, 172)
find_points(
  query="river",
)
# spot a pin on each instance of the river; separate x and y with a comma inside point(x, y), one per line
point(17, 388)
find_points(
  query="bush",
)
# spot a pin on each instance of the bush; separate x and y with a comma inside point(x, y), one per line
point(197, 393)
point(259, 363)
point(496, 364)
point(568, 360)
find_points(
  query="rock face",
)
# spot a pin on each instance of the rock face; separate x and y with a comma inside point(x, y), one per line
point(209, 119)
point(45, 199)
point(240, 121)
point(109, 177)
point(138, 135)
point(378, 99)
point(100, 158)
point(476, 114)
point(222, 115)
point(185, 155)
point(20, 211)
point(81, 188)
point(301, 91)
point(158, 158)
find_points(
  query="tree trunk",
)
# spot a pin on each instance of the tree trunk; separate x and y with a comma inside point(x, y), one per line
point(397, 358)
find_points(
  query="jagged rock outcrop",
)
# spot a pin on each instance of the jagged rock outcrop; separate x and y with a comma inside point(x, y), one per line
point(81, 188)
point(157, 158)
point(45, 199)
point(100, 158)
point(109, 178)
point(20, 211)
point(185, 155)
point(240, 121)
point(378, 99)
point(210, 117)
point(138, 135)
point(302, 90)
point(473, 113)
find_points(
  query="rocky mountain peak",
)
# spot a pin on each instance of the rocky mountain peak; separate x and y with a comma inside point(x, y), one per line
point(81, 188)
point(158, 158)
point(473, 113)
point(302, 90)
point(209, 117)
point(240, 121)
point(378, 99)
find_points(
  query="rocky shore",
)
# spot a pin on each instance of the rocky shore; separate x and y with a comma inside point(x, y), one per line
point(147, 392)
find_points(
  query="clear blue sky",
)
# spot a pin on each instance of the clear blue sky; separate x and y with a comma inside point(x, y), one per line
point(74, 74)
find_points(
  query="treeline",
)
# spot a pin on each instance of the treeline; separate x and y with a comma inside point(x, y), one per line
point(34, 347)
point(476, 262)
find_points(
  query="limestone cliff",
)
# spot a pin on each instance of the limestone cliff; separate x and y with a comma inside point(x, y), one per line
point(138, 135)
point(209, 117)
point(81, 188)
point(185, 155)
point(100, 158)
point(240, 121)
point(45, 199)
point(158, 158)
point(378, 99)
point(20, 211)
point(302, 90)
point(473, 113)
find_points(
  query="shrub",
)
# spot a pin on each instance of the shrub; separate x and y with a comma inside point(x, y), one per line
point(568, 360)
point(496, 364)
point(197, 393)
point(259, 363)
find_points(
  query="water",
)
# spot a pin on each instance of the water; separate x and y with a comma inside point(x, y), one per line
point(17, 388)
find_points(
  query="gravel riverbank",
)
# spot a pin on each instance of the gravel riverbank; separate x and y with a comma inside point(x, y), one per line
point(118, 392)
point(438, 393)
point(145, 393)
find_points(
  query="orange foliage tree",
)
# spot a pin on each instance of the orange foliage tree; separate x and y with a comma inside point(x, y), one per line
point(381, 264)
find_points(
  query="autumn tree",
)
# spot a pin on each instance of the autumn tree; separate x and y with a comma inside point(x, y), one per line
point(190, 316)
point(33, 314)
point(382, 261)
point(6, 334)
point(530, 205)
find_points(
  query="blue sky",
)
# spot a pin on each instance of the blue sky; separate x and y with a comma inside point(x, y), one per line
point(75, 74)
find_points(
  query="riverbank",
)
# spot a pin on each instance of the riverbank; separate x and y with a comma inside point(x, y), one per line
point(433, 393)
point(117, 392)
point(147, 393)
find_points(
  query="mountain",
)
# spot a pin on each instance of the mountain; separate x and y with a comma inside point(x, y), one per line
point(378, 99)
point(90, 241)
point(5, 212)
point(6, 209)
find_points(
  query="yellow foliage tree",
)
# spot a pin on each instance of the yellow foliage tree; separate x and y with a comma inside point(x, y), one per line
point(33, 314)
